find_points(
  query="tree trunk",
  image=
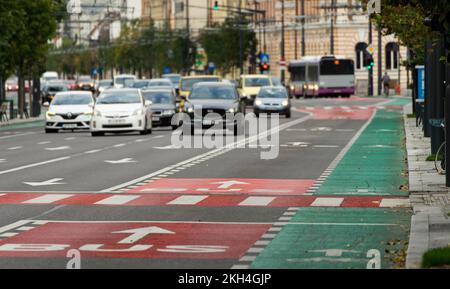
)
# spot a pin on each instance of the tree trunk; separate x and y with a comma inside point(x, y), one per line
point(21, 95)
point(2, 89)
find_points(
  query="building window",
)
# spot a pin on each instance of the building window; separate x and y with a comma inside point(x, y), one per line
point(392, 50)
point(360, 50)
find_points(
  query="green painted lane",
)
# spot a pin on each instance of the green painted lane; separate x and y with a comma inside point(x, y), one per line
point(375, 164)
point(31, 124)
point(339, 238)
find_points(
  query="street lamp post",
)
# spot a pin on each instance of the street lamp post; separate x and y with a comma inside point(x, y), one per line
point(282, 40)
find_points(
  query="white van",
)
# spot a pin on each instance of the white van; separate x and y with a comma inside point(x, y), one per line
point(49, 76)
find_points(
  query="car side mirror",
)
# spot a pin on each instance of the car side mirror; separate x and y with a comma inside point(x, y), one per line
point(46, 104)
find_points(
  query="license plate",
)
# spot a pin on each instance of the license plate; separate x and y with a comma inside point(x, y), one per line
point(69, 125)
point(155, 118)
point(116, 121)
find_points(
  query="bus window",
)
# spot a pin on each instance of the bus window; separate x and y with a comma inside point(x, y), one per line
point(313, 73)
point(337, 67)
point(297, 73)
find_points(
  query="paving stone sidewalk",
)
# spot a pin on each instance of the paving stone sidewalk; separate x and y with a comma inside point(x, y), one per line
point(430, 199)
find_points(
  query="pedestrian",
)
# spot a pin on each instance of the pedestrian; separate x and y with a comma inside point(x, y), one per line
point(386, 83)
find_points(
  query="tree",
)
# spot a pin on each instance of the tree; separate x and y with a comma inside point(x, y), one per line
point(222, 46)
point(36, 25)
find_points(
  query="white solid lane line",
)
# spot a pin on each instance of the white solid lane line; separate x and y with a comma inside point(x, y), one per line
point(15, 148)
point(48, 199)
point(34, 165)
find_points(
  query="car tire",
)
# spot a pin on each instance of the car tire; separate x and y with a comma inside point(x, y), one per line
point(97, 133)
point(51, 130)
point(145, 131)
point(288, 115)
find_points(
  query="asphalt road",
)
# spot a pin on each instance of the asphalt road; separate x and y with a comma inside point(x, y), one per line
point(131, 201)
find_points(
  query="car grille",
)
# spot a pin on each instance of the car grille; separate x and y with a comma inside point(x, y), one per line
point(68, 116)
point(206, 111)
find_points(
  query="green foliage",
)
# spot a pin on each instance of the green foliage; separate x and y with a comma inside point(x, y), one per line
point(436, 258)
point(222, 46)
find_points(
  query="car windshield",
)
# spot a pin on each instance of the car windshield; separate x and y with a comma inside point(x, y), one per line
point(212, 92)
point(256, 81)
point(159, 97)
point(164, 82)
point(72, 99)
point(84, 79)
point(276, 81)
point(273, 93)
point(119, 97)
point(186, 84)
point(140, 84)
point(174, 79)
point(124, 80)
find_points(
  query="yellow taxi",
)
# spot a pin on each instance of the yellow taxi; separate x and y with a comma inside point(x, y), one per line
point(250, 84)
point(187, 82)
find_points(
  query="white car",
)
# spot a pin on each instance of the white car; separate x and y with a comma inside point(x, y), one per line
point(121, 110)
point(69, 110)
point(124, 80)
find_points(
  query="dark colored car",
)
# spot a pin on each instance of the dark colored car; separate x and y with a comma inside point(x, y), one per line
point(211, 103)
point(163, 106)
point(52, 88)
point(85, 82)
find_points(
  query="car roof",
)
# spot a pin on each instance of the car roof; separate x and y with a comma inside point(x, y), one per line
point(225, 84)
point(200, 76)
point(158, 88)
point(254, 76)
point(160, 79)
point(74, 92)
point(123, 90)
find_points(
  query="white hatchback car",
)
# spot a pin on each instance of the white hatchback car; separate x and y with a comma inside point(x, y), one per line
point(121, 110)
point(69, 110)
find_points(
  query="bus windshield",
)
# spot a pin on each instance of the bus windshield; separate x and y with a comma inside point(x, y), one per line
point(297, 73)
point(337, 67)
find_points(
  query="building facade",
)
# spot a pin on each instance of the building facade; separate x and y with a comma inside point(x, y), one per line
point(339, 27)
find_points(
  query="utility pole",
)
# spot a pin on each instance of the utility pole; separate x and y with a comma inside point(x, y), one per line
point(370, 84)
point(303, 29)
point(295, 33)
point(380, 55)
point(333, 5)
point(241, 40)
point(283, 58)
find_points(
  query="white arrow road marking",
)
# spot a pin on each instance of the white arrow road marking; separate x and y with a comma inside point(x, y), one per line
point(15, 148)
point(45, 183)
point(169, 147)
point(227, 184)
point(122, 161)
point(70, 138)
point(58, 148)
point(2, 160)
point(139, 233)
point(44, 142)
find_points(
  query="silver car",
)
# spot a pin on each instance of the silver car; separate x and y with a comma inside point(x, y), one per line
point(272, 99)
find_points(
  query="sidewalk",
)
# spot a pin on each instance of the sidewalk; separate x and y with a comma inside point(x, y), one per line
point(430, 199)
point(13, 123)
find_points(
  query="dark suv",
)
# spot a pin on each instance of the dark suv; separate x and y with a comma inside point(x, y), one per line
point(215, 103)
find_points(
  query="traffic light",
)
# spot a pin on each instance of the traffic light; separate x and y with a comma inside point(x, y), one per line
point(216, 5)
point(264, 67)
point(368, 61)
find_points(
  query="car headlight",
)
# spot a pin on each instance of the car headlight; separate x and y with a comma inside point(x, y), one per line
point(285, 103)
point(316, 87)
point(292, 87)
point(138, 111)
point(258, 102)
point(50, 114)
point(97, 113)
point(231, 110)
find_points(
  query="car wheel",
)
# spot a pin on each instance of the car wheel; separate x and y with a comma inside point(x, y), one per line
point(145, 131)
point(50, 130)
point(97, 133)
